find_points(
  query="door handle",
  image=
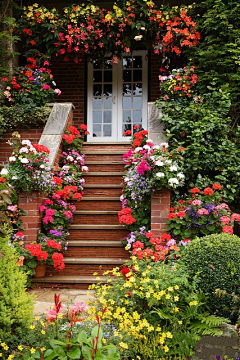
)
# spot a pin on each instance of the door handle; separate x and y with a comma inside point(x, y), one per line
point(114, 100)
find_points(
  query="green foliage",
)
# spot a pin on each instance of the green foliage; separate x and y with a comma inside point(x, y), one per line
point(22, 117)
point(157, 311)
point(214, 262)
point(16, 306)
point(218, 54)
point(203, 128)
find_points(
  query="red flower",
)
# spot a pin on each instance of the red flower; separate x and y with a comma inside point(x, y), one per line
point(19, 234)
point(83, 127)
point(58, 261)
point(136, 127)
point(172, 216)
point(2, 180)
point(41, 148)
point(195, 191)
point(53, 244)
point(4, 79)
point(165, 237)
point(181, 213)
point(36, 250)
point(217, 186)
point(208, 191)
point(127, 133)
point(57, 180)
point(125, 271)
point(77, 196)
point(69, 138)
point(227, 229)
point(125, 216)
point(32, 42)
point(74, 130)
point(138, 244)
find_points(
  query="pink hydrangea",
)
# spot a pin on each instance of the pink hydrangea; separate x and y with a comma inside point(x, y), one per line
point(202, 211)
point(225, 220)
point(196, 202)
point(235, 216)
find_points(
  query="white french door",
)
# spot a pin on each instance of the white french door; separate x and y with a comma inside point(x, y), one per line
point(117, 97)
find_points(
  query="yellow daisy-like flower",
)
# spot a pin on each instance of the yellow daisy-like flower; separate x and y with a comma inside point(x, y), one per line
point(10, 357)
point(32, 351)
point(43, 332)
point(20, 347)
point(193, 303)
point(32, 327)
point(43, 349)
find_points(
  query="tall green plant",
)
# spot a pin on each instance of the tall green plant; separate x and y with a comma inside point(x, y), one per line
point(16, 305)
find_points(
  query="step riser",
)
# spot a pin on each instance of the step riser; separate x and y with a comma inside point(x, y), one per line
point(86, 235)
point(104, 180)
point(82, 270)
point(98, 205)
point(105, 167)
point(95, 219)
point(102, 192)
point(105, 147)
point(99, 252)
point(103, 157)
point(56, 285)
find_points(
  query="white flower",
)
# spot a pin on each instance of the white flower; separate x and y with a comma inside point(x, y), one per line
point(157, 147)
point(24, 150)
point(27, 142)
point(70, 158)
point(126, 179)
point(160, 174)
point(4, 171)
point(173, 182)
point(159, 163)
point(168, 162)
point(164, 144)
point(147, 147)
point(14, 178)
point(173, 168)
point(149, 141)
point(84, 168)
point(138, 37)
point(25, 161)
point(42, 166)
point(181, 176)
point(138, 149)
point(65, 168)
point(12, 158)
point(54, 84)
point(142, 28)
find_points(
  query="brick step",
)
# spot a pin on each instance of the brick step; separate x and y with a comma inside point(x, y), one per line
point(96, 227)
point(97, 234)
point(86, 269)
point(105, 155)
point(102, 190)
point(67, 281)
point(104, 167)
point(99, 218)
point(104, 177)
point(106, 146)
point(98, 203)
point(96, 243)
point(96, 252)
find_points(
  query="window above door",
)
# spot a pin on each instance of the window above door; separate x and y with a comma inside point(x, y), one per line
point(117, 97)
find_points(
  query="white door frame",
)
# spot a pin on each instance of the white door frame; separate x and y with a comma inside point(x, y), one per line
point(117, 89)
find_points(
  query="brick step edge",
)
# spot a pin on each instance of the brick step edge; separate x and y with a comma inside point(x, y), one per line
point(100, 198)
point(102, 186)
point(103, 173)
point(94, 212)
point(94, 243)
point(97, 227)
point(70, 279)
point(94, 261)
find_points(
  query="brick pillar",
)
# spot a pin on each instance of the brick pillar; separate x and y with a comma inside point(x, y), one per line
point(32, 220)
point(160, 208)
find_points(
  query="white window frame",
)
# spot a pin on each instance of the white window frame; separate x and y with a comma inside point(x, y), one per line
point(117, 111)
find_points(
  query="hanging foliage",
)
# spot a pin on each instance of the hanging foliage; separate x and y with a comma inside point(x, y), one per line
point(88, 29)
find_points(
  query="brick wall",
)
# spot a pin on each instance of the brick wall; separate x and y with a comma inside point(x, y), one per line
point(160, 208)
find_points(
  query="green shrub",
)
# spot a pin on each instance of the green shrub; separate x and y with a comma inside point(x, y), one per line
point(215, 262)
point(16, 306)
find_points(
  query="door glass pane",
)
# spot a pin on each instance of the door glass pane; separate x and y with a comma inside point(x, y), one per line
point(107, 76)
point(127, 89)
point(107, 103)
point(107, 130)
point(107, 64)
point(127, 102)
point(137, 75)
point(126, 116)
point(137, 89)
point(137, 116)
point(97, 116)
point(137, 62)
point(127, 75)
point(97, 90)
point(97, 103)
point(127, 62)
point(107, 90)
point(97, 76)
point(107, 117)
point(97, 130)
point(137, 103)
point(126, 127)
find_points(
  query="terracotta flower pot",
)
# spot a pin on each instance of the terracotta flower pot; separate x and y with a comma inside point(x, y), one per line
point(40, 270)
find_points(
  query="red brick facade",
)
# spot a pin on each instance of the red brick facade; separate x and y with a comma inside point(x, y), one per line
point(160, 206)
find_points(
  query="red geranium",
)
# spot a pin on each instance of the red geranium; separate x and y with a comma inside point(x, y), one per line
point(227, 229)
point(69, 138)
point(195, 190)
point(41, 148)
point(2, 180)
point(217, 186)
point(74, 130)
point(172, 216)
point(208, 191)
point(53, 244)
point(125, 216)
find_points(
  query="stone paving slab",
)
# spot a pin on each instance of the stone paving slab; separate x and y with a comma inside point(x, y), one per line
point(45, 298)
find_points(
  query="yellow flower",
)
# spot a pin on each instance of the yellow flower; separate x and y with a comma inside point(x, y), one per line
point(0, 354)
point(43, 349)
point(3, 344)
point(10, 357)
point(192, 303)
point(32, 350)
point(176, 287)
point(20, 347)
point(32, 327)
point(180, 322)
point(123, 345)
point(43, 332)
point(37, 319)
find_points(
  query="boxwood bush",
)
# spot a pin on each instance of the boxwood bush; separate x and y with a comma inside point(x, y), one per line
point(214, 261)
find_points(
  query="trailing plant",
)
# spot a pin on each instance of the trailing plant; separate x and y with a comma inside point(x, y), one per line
point(16, 306)
point(201, 213)
point(214, 262)
point(89, 29)
point(157, 312)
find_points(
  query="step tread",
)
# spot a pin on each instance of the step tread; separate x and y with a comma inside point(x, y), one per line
point(92, 227)
point(97, 243)
point(95, 212)
point(105, 173)
point(113, 162)
point(94, 261)
point(107, 198)
point(69, 279)
point(102, 186)
point(107, 143)
point(104, 152)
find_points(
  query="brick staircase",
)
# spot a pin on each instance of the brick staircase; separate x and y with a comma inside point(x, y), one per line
point(95, 234)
